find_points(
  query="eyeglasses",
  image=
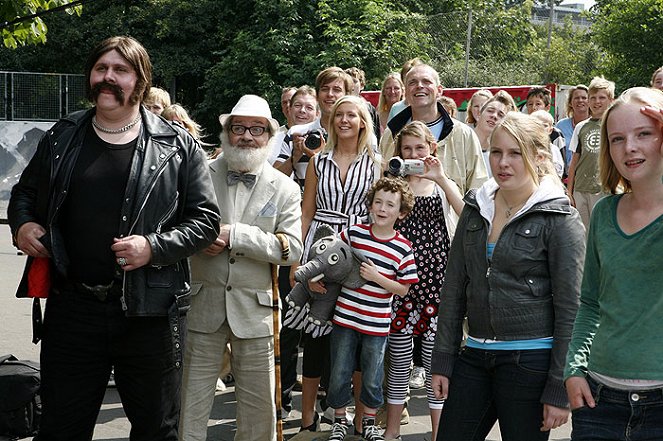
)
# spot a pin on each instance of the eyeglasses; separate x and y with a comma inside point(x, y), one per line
point(253, 130)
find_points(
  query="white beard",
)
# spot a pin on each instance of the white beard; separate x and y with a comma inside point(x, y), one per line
point(246, 159)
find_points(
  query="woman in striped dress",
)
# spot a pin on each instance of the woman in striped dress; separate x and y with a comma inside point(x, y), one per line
point(337, 180)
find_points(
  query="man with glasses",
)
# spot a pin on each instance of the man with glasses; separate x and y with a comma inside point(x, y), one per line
point(260, 225)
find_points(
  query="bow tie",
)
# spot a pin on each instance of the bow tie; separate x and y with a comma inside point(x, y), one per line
point(248, 179)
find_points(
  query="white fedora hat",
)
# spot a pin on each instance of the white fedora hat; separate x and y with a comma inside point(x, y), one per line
point(251, 105)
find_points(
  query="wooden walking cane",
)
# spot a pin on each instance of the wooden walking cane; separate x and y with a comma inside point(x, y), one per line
point(285, 253)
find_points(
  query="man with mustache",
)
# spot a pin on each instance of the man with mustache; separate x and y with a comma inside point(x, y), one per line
point(109, 208)
point(260, 225)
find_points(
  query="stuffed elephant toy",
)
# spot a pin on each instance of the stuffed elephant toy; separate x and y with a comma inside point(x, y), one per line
point(333, 262)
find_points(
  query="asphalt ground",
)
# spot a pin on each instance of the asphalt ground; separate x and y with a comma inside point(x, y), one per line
point(112, 424)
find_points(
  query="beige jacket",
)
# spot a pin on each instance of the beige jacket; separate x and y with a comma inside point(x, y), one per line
point(236, 285)
point(458, 148)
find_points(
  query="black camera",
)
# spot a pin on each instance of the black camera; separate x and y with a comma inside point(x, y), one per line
point(314, 138)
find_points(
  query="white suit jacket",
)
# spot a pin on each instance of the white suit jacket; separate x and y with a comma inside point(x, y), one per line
point(236, 285)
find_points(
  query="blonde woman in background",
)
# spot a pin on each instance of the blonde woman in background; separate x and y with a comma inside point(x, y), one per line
point(157, 100)
point(392, 92)
point(450, 106)
point(178, 114)
point(474, 106)
point(491, 114)
point(657, 79)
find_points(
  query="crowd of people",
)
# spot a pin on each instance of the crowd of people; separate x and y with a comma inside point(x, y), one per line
point(510, 261)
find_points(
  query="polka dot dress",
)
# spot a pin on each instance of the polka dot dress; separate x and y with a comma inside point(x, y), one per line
point(416, 312)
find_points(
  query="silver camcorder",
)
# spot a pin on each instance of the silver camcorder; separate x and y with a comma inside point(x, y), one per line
point(401, 167)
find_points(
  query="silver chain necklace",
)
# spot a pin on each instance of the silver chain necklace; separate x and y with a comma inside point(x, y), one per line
point(114, 131)
point(508, 211)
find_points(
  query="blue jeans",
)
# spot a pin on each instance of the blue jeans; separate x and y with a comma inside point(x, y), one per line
point(343, 346)
point(487, 386)
point(620, 415)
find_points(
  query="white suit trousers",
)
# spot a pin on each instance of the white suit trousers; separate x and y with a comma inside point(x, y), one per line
point(252, 363)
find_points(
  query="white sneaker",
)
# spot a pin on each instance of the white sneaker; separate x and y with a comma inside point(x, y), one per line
point(328, 416)
point(417, 378)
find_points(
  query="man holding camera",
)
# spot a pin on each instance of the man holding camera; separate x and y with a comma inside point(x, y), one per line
point(330, 85)
point(297, 147)
point(458, 146)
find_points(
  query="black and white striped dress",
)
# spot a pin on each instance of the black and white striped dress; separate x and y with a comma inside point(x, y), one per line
point(339, 204)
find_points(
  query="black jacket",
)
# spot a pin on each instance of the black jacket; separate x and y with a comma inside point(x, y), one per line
point(405, 116)
point(169, 199)
point(530, 289)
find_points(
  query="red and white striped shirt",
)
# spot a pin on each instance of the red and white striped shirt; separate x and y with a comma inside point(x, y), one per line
point(368, 309)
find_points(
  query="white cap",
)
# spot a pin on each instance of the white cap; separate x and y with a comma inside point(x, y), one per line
point(251, 105)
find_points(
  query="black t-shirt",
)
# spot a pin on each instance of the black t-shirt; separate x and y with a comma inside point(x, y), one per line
point(90, 216)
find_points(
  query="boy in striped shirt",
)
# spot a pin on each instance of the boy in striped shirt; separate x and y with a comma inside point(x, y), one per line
point(363, 315)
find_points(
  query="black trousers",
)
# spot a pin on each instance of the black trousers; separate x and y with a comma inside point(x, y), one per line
point(288, 343)
point(83, 339)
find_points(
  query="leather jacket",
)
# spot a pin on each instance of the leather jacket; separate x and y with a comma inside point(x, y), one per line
point(169, 199)
point(529, 289)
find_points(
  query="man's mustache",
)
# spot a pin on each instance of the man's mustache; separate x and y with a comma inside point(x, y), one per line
point(117, 90)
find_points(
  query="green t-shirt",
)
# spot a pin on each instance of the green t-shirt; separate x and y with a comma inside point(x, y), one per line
point(619, 325)
point(587, 169)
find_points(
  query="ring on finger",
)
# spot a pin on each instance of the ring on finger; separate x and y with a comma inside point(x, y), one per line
point(122, 261)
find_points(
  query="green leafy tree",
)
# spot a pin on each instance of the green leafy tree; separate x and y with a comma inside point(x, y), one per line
point(573, 58)
point(287, 42)
point(208, 53)
point(500, 32)
point(630, 32)
point(16, 30)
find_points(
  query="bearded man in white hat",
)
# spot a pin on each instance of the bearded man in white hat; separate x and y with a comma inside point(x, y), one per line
point(260, 214)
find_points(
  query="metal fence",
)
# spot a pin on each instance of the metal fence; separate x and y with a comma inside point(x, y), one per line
point(29, 96)
point(471, 48)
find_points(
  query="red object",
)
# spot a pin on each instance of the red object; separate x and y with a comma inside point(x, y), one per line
point(372, 96)
point(462, 95)
point(39, 278)
point(519, 93)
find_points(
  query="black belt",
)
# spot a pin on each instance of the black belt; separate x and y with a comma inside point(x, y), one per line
point(103, 293)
